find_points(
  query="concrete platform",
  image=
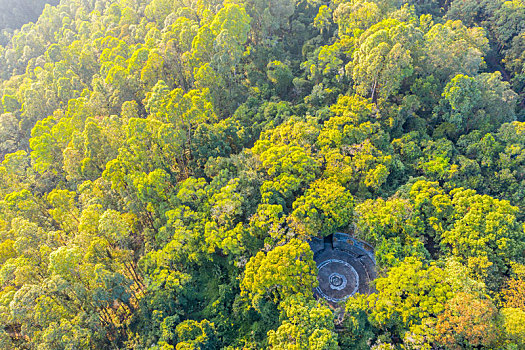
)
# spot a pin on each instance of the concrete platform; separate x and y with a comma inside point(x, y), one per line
point(346, 266)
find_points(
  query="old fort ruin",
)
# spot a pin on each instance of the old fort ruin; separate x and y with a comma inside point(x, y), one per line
point(346, 266)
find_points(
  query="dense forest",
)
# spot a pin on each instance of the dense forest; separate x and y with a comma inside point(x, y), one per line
point(165, 163)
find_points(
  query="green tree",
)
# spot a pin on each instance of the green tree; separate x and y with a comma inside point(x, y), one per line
point(485, 234)
point(285, 270)
point(409, 298)
point(384, 58)
point(196, 335)
point(454, 49)
point(484, 102)
point(306, 324)
point(325, 207)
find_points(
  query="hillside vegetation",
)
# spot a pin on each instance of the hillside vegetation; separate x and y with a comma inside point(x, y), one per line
point(165, 162)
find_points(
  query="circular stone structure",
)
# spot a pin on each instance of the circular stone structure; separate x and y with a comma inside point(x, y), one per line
point(346, 266)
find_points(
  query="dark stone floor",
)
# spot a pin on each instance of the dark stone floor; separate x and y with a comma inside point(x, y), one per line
point(346, 266)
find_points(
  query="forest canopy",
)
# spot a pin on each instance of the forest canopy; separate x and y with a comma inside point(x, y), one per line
point(165, 164)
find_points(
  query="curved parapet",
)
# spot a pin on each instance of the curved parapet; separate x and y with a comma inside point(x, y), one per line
point(346, 266)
